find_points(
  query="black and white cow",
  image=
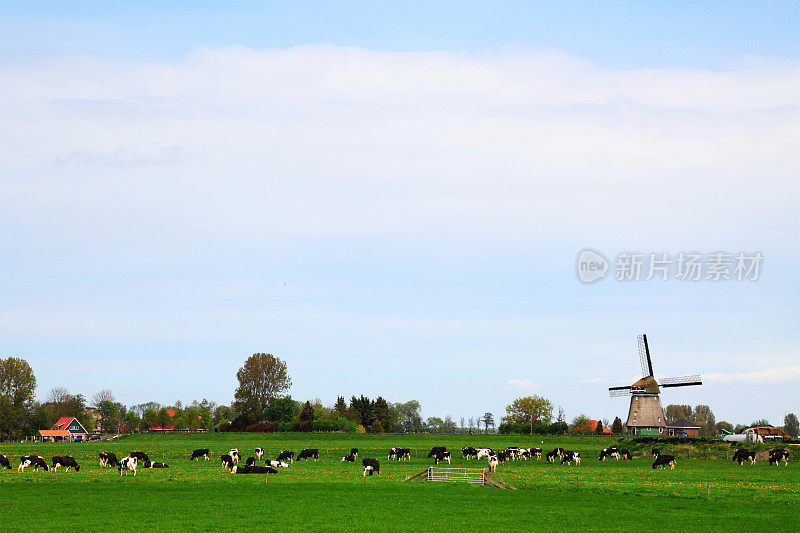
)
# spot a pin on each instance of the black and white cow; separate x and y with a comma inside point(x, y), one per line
point(227, 461)
point(108, 459)
point(4, 462)
point(557, 452)
point(201, 452)
point(469, 452)
point(308, 454)
point(250, 461)
point(259, 453)
point(570, 456)
point(276, 464)
point(777, 456)
point(444, 456)
point(663, 460)
point(742, 455)
point(234, 453)
point(372, 466)
point(36, 461)
point(656, 452)
point(128, 463)
point(149, 464)
point(286, 455)
point(400, 453)
point(354, 452)
point(140, 456)
point(436, 450)
point(254, 469)
point(493, 463)
point(349, 458)
point(608, 452)
point(537, 452)
point(504, 456)
point(484, 452)
point(513, 452)
point(65, 461)
point(625, 454)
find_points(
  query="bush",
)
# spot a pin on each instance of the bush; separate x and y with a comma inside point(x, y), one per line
point(538, 429)
point(262, 427)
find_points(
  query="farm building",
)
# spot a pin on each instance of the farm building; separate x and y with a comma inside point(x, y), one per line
point(166, 427)
point(683, 431)
point(759, 434)
point(67, 429)
point(590, 426)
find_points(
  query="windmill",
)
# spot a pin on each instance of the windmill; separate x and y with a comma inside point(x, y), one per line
point(645, 416)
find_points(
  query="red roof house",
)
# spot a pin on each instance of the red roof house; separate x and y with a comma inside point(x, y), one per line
point(167, 427)
point(590, 427)
point(66, 429)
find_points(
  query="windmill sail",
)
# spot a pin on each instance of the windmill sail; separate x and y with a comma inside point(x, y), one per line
point(615, 392)
point(682, 381)
point(644, 355)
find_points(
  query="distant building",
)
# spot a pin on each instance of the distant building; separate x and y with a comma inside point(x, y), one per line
point(590, 426)
point(67, 429)
point(759, 434)
point(166, 427)
point(683, 431)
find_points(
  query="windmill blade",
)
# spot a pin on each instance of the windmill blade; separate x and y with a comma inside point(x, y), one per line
point(644, 355)
point(682, 381)
point(616, 392)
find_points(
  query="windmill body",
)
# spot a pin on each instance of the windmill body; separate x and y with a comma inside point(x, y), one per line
point(645, 415)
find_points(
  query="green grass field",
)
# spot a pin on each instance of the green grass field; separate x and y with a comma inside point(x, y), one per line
point(332, 495)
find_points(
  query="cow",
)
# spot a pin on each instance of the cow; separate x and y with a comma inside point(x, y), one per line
point(512, 452)
point(492, 463)
point(469, 452)
point(149, 464)
point(436, 450)
point(557, 452)
point(663, 460)
point(286, 455)
point(277, 464)
point(250, 461)
point(570, 456)
point(504, 456)
point(254, 469)
point(537, 452)
point(128, 463)
point(744, 455)
point(66, 461)
point(354, 452)
point(372, 466)
point(201, 452)
point(400, 453)
point(349, 458)
point(108, 459)
point(140, 456)
point(484, 452)
point(625, 454)
point(526, 453)
point(656, 452)
point(36, 461)
point(777, 456)
point(227, 461)
point(259, 453)
point(444, 456)
point(4, 462)
point(234, 453)
point(608, 452)
point(308, 454)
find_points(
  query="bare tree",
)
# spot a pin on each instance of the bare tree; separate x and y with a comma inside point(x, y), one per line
point(471, 422)
point(462, 424)
point(58, 395)
point(104, 395)
point(562, 416)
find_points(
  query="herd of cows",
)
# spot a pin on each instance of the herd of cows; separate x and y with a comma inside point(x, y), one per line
point(230, 460)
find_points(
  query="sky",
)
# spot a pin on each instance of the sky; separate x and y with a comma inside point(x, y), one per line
point(393, 199)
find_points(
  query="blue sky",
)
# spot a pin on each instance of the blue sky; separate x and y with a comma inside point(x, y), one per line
point(392, 200)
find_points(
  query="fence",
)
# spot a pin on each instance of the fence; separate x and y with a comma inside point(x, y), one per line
point(464, 475)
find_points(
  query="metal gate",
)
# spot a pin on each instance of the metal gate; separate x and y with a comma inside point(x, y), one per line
point(463, 475)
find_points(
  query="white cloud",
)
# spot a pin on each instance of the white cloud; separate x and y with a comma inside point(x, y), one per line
point(768, 375)
point(522, 383)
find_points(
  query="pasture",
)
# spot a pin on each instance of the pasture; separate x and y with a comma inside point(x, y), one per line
point(333, 495)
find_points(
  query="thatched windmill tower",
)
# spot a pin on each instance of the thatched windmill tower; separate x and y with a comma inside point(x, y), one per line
point(645, 416)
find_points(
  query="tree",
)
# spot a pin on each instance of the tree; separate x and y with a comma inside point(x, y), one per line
point(724, 425)
point(579, 423)
point(376, 427)
point(488, 420)
point(107, 411)
point(341, 406)
point(409, 417)
point(262, 379)
point(281, 410)
point(529, 410)
point(17, 386)
point(461, 427)
point(790, 425)
point(222, 413)
point(562, 416)
point(434, 424)
point(617, 427)
point(471, 422)
point(760, 423)
point(598, 429)
point(380, 413)
point(739, 428)
point(307, 413)
point(104, 395)
point(703, 416)
point(449, 425)
point(674, 414)
point(363, 407)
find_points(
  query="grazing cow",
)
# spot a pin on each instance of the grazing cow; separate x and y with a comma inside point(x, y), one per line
point(308, 454)
point(537, 452)
point(250, 461)
point(492, 463)
point(526, 453)
point(777, 456)
point(128, 463)
point(227, 461)
point(570, 456)
point(609, 452)
point(400, 453)
point(656, 452)
point(140, 456)
point(551, 456)
point(349, 458)
point(4, 462)
point(444, 456)
point(36, 461)
point(512, 452)
point(504, 456)
point(259, 453)
point(744, 455)
point(484, 452)
point(436, 450)
point(254, 469)
point(108, 459)
point(234, 453)
point(277, 464)
point(354, 452)
point(625, 454)
point(202, 452)
point(149, 464)
point(372, 466)
point(66, 461)
point(286, 455)
point(663, 460)
point(469, 452)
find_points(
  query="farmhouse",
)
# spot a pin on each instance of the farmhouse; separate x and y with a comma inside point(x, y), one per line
point(683, 431)
point(67, 429)
point(590, 426)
